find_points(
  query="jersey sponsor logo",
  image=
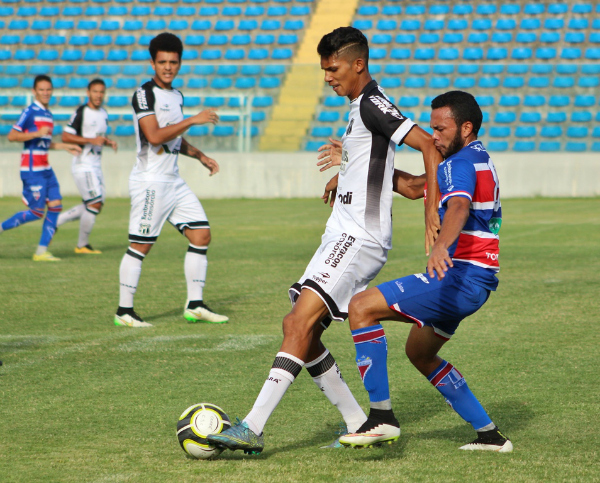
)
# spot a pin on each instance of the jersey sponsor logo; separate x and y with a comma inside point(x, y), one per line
point(345, 199)
point(422, 277)
point(494, 225)
point(344, 161)
point(399, 285)
point(492, 256)
point(448, 175)
point(386, 107)
point(364, 364)
point(340, 249)
point(324, 275)
point(148, 210)
point(141, 99)
point(319, 280)
point(478, 147)
point(349, 128)
point(165, 108)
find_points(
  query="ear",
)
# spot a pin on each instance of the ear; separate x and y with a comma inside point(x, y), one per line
point(466, 129)
point(359, 65)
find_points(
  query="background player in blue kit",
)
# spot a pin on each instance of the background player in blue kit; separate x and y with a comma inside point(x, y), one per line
point(465, 259)
point(40, 186)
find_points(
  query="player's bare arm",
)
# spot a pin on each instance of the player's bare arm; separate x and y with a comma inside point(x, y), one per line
point(70, 148)
point(409, 185)
point(189, 150)
point(454, 220)
point(330, 154)
point(159, 135)
point(330, 191)
point(80, 140)
point(15, 136)
point(419, 139)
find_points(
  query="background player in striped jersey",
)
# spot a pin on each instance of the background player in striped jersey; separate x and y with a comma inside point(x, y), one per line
point(465, 260)
point(158, 193)
point(356, 240)
point(40, 186)
point(87, 128)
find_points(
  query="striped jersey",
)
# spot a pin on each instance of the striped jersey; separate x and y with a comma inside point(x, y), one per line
point(364, 193)
point(470, 173)
point(34, 156)
point(156, 163)
point(88, 123)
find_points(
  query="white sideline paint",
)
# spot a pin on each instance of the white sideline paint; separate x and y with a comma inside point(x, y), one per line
point(165, 343)
point(295, 175)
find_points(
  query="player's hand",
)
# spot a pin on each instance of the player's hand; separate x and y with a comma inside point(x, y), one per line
point(112, 144)
point(98, 141)
point(73, 149)
point(207, 116)
point(330, 191)
point(439, 262)
point(432, 229)
point(43, 131)
point(331, 154)
point(210, 164)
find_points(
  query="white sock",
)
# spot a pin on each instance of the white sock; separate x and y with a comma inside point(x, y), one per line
point(41, 249)
point(129, 276)
point(88, 218)
point(328, 378)
point(283, 372)
point(194, 267)
point(71, 215)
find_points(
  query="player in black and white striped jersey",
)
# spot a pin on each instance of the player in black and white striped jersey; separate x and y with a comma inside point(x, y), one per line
point(87, 128)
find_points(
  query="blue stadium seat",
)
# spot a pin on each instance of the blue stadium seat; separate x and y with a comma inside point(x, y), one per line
point(509, 101)
point(38, 39)
point(506, 24)
point(559, 101)
point(581, 116)
point(439, 9)
point(549, 146)
point(176, 24)
point(395, 69)
point(462, 9)
point(439, 83)
point(281, 54)
point(563, 82)
point(556, 117)
point(194, 40)
point(10, 40)
point(554, 24)
point(124, 130)
point(334, 101)
point(534, 8)
point(63, 70)
point(198, 131)
point(269, 83)
point(293, 25)
point(391, 10)
point(117, 11)
point(201, 25)
point(485, 101)
point(381, 39)
point(500, 37)
point(321, 132)
point(140, 11)
point(408, 101)
point(464, 82)
point(93, 55)
point(262, 101)
point(510, 9)
point(367, 10)
point(433, 24)
point(497, 53)
point(39, 70)
point(493, 69)
point(94, 11)
point(521, 53)
point(18, 25)
point(414, 83)
point(232, 11)
point(524, 146)
point(134, 70)
point(71, 55)
point(126, 83)
point(575, 37)
point(405, 39)
point(124, 40)
point(221, 83)
point(578, 23)
point(133, 25)
point(118, 101)
point(362, 24)
point(452, 38)
point(390, 82)
point(544, 69)
point(13, 69)
point(570, 53)
point(486, 9)
point(592, 53)
point(497, 146)
point(223, 39)
point(415, 9)
point(596, 132)
point(211, 54)
point(575, 147)
point(388, 25)
point(196, 83)
point(551, 132)
point(161, 11)
point(584, 101)
point(158, 24)
point(505, 117)
point(313, 145)
point(526, 37)
point(328, 116)
point(102, 40)
point(204, 69)
point(530, 117)
point(117, 55)
point(448, 54)
point(481, 24)
point(299, 11)
point(587, 82)
point(549, 37)
point(477, 38)
point(429, 38)
point(473, 53)
point(545, 53)
point(192, 101)
point(525, 131)
point(69, 101)
point(407, 25)
point(245, 83)
point(538, 82)
point(424, 53)
point(457, 24)
point(467, 69)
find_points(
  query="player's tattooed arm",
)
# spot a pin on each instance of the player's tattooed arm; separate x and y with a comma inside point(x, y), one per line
point(419, 139)
point(188, 150)
point(330, 154)
point(409, 185)
point(455, 218)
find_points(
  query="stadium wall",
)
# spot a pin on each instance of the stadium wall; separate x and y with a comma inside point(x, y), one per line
point(295, 175)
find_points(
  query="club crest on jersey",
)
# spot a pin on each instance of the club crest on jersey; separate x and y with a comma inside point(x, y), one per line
point(386, 106)
point(364, 364)
point(349, 128)
point(144, 229)
point(141, 99)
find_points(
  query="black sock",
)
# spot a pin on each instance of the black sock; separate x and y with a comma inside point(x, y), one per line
point(193, 304)
point(125, 310)
point(383, 415)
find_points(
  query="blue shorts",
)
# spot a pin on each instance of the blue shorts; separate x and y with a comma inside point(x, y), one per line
point(440, 304)
point(39, 187)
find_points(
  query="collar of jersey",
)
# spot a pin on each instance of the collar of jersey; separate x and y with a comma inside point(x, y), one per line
point(372, 83)
point(39, 104)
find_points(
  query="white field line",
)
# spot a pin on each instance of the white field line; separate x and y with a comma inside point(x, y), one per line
point(165, 343)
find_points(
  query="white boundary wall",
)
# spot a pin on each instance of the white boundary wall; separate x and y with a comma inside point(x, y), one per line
point(295, 175)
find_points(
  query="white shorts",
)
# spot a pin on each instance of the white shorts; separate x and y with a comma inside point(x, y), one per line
point(90, 183)
point(153, 203)
point(341, 267)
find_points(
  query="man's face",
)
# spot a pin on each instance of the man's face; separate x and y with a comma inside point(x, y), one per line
point(43, 92)
point(446, 135)
point(166, 66)
point(341, 75)
point(96, 95)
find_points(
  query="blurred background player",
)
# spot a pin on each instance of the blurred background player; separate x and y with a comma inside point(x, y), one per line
point(465, 258)
point(87, 128)
point(356, 241)
point(158, 193)
point(40, 186)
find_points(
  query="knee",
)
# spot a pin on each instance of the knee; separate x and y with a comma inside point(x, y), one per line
point(94, 208)
point(293, 327)
point(359, 313)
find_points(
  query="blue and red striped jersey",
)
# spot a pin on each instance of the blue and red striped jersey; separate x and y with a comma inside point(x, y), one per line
point(34, 156)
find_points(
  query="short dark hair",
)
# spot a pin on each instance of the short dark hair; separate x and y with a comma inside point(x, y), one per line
point(165, 42)
point(41, 78)
point(463, 106)
point(351, 40)
point(94, 82)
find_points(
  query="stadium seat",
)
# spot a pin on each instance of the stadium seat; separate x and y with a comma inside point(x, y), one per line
point(448, 54)
point(399, 54)
point(534, 8)
point(545, 53)
point(525, 131)
point(405, 39)
point(434, 24)
point(391, 10)
point(124, 130)
point(93, 55)
point(71, 55)
point(196, 83)
point(549, 146)
point(506, 24)
point(439, 9)
point(575, 147)
point(457, 24)
point(526, 37)
point(408, 101)
point(118, 101)
point(554, 24)
point(501, 37)
point(551, 131)
point(462, 9)
point(424, 54)
point(481, 24)
point(530, 117)
point(452, 38)
point(497, 146)
point(570, 53)
point(408, 25)
point(117, 55)
point(223, 131)
point(497, 53)
point(439, 82)
point(477, 38)
point(584, 101)
point(538, 82)
point(133, 25)
point(464, 82)
point(510, 9)
point(581, 116)
point(521, 53)
point(334, 101)
point(362, 24)
point(524, 146)
point(559, 101)
point(473, 53)
point(549, 37)
point(499, 132)
point(415, 9)
point(578, 24)
point(390, 82)
point(485, 101)
point(414, 83)
point(486, 9)
point(509, 101)
point(563, 82)
point(587, 82)
point(592, 53)
point(505, 117)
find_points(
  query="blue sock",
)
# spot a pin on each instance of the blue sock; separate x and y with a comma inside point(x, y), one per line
point(21, 218)
point(49, 227)
point(453, 387)
point(371, 359)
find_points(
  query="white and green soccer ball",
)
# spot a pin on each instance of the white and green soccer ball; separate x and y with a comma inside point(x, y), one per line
point(195, 424)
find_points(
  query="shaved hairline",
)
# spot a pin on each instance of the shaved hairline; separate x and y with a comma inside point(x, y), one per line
point(349, 49)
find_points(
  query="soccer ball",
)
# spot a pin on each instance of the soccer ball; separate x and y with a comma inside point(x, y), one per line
point(195, 424)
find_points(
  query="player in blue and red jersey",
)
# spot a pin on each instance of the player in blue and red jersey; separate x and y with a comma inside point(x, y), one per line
point(461, 273)
point(40, 186)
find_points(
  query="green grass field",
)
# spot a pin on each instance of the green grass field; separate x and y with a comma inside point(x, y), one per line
point(84, 401)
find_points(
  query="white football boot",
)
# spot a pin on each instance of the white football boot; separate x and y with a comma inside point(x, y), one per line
point(203, 313)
